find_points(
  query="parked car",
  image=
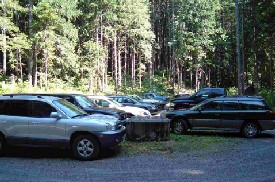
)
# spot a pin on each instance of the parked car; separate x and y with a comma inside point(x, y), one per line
point(186, 102)
point(128, 101)
point(159, 103)
point(85, 104)
point(154, 95)
point(44, 121)
point(108, 102)
point(248, 115)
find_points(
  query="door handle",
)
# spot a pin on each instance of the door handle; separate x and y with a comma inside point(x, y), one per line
point(2, 122)
point(217, 114)
point(34, 123)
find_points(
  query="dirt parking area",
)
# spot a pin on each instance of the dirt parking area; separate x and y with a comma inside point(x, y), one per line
point(218, 157)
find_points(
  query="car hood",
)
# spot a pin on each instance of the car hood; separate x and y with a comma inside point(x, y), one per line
point(134, 110)
point(97, 118)
point(186, 100)
point(143, 105)
point(152, 101)
point(103, 110)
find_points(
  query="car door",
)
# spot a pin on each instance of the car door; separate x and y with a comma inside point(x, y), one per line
point(14, 116)
point(207, 117)
point(231, 115)
point(44, 130)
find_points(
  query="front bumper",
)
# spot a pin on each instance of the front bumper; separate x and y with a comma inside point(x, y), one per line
point(112, 138)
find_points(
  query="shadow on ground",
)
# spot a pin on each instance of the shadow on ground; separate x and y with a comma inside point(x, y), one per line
point(51, 153)
point(227, 134)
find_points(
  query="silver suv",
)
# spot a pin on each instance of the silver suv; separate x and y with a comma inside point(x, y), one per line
point(54, 122)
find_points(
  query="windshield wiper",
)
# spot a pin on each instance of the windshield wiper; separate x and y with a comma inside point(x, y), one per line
point(78, 115)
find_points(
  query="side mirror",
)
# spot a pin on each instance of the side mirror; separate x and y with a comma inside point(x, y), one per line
point(55, 115)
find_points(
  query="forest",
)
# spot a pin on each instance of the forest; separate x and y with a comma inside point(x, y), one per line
point(132, 46)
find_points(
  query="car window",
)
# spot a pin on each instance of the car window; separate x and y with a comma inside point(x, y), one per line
point(203, 94)
point(212, 106)
point(115, 103)
point(96, 101)
point(15, 108)
point(118, 99)
point(253, 105)
point(41, 109)
point(230, 105)
point(103, 103)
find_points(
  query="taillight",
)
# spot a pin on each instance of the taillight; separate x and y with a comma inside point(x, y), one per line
point(272, 112)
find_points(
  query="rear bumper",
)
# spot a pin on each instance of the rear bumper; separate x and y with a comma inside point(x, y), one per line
point(111, 138)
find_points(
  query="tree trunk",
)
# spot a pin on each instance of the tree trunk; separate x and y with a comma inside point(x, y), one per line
point(133, 70)
point(20, 65)
point(115, 62)
point(4, 50)
point(30, 61)
point(125, 62)
point(46, 56)
point(254, 47)
point(34, 69)
point(271, 62)
point(197, 80)
point(240, 62)
point(119, 78)
point(91, 83)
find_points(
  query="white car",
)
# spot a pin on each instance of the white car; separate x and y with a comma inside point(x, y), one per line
point(108, 102)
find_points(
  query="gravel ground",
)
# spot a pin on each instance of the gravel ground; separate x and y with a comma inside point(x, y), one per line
point(246, 160)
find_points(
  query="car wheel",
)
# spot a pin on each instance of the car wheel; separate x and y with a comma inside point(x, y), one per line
point(250, 130)
point(85, 147)
point(3, 146)
point(179, 126)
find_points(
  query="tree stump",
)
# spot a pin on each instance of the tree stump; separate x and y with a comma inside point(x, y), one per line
point(148, 128)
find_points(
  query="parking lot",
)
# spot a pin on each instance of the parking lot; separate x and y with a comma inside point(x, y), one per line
point(239, 160)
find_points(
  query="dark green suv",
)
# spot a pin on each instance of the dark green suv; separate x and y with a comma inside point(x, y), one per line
point(249, 115)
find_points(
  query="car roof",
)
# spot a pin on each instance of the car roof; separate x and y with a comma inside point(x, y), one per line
point(46, 94)
point(240, 98)
point(97, 97)
point(28, 97)
point(119, 96)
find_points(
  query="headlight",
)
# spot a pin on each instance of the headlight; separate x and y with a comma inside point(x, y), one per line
point(110, 127)
point(163, 114)
point(144, 113)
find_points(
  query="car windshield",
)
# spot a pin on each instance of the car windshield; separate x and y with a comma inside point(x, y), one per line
point(137, 98)
point(115, 103)
point(84, 102)
point(194, 108)
point(68, 108)
point(135, 101)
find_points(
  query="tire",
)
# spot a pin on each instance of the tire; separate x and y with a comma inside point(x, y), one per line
point(85, 147)
point(179, 126)
point(3, 146)
point(250, 130)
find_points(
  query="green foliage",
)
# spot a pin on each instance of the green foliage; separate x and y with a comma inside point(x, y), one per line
point(268, 96)
point(232, 91)
point(180, 143)
point(56, 86)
